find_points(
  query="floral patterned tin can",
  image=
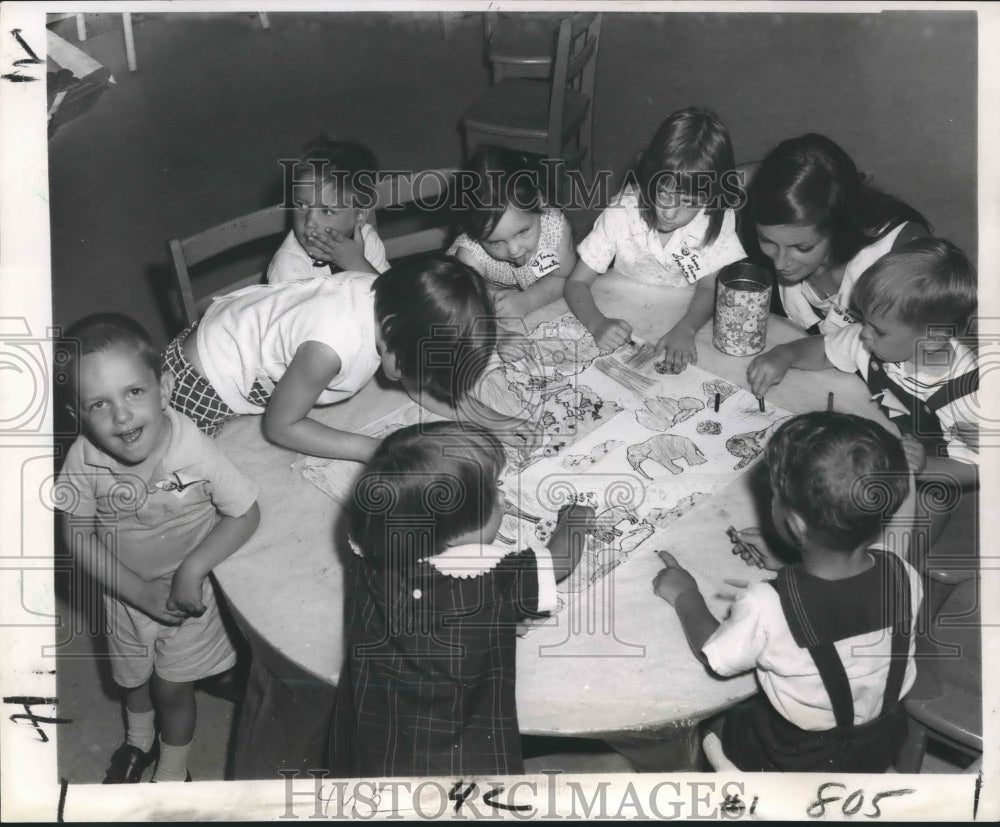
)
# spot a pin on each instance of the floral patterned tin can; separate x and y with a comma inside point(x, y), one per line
point(742, 304)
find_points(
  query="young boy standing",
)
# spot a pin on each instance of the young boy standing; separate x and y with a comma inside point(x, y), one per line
point(830, 638)
point(152, 506)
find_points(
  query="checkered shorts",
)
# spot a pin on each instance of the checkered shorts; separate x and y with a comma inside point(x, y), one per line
point(194, 397)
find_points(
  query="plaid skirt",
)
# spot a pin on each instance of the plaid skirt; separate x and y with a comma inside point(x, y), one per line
point(194, 396)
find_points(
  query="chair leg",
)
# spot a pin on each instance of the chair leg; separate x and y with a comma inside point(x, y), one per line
point(911, 754)
point(129, 41)
point(265, 23)
point(81, 27)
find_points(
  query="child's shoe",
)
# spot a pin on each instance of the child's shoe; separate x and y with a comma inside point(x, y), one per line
point(128, 764)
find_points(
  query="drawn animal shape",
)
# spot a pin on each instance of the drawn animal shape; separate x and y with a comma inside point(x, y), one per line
point(559, 349)
point(661, 517)
point(747, 446)
point(665, 449)
point(593, 456)
point(664, 412)
point(508, 397)
point(606, 523)
point(718, 386)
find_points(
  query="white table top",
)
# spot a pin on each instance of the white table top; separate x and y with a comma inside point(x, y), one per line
point(625, 667)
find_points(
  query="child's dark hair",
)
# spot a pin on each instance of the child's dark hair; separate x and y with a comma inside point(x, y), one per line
point(927, 281)
point(101, 332)
point(811, 181)
point(437, 319)
point(844, 475)
point(426, 485)
point(495, 179)
point(350, 164)
point(691, 153)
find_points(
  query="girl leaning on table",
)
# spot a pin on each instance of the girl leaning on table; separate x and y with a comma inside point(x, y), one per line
point(671, 225)
point(520, 246)
point(427, 686)
point(279, 350)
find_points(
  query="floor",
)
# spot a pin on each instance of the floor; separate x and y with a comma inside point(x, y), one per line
point(139, 159)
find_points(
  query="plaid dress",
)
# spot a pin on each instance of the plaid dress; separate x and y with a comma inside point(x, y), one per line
point(427, 686)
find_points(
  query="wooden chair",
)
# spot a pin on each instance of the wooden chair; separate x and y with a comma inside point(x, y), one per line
point(543, 115)
point(393, 194)
point(519, 45)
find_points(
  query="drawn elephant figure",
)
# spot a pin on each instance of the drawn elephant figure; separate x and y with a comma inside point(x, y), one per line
point(606, 523)
point(748, 446)
point(664, 449)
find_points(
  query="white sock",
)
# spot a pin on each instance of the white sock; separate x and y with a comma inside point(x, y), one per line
point(172, 765)
point(141, 729)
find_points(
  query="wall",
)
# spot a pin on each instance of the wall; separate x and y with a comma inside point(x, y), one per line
point(897, 90)
point(191, 139)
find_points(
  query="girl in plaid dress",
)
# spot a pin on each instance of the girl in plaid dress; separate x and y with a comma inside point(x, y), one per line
point(523, 249)
point(427, 686)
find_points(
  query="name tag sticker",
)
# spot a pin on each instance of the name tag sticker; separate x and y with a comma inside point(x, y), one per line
point(689, 263)
point(544, 263)
point(841, 313)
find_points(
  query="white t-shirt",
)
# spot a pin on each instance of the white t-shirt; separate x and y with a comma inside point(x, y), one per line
point(253, 335)
point(800, 299)
point(756, 634)
point(621, 235)
point(847, 352)
point(293, 263)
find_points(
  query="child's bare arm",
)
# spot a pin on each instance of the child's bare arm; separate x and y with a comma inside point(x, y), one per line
point(286, 420)
point(90, 553)
point(225, 538)
point(677, 344)
point(769, 368)
point(675, 585)
point(519, 303)
point(566, 545)
point(608, 333)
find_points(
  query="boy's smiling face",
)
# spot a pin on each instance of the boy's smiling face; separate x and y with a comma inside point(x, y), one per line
point(314, 216)
point(123, 405)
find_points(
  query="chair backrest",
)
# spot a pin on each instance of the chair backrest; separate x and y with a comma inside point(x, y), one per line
point(575, 62)
point(207, 244)
point(391, 193)
point(519, 45)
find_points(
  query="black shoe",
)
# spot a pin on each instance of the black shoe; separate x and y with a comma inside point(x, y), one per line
point(128, 764)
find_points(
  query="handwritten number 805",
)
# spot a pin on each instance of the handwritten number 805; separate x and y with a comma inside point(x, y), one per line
point(854, 802)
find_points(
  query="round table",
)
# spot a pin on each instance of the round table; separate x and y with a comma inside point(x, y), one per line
point(616, 664)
